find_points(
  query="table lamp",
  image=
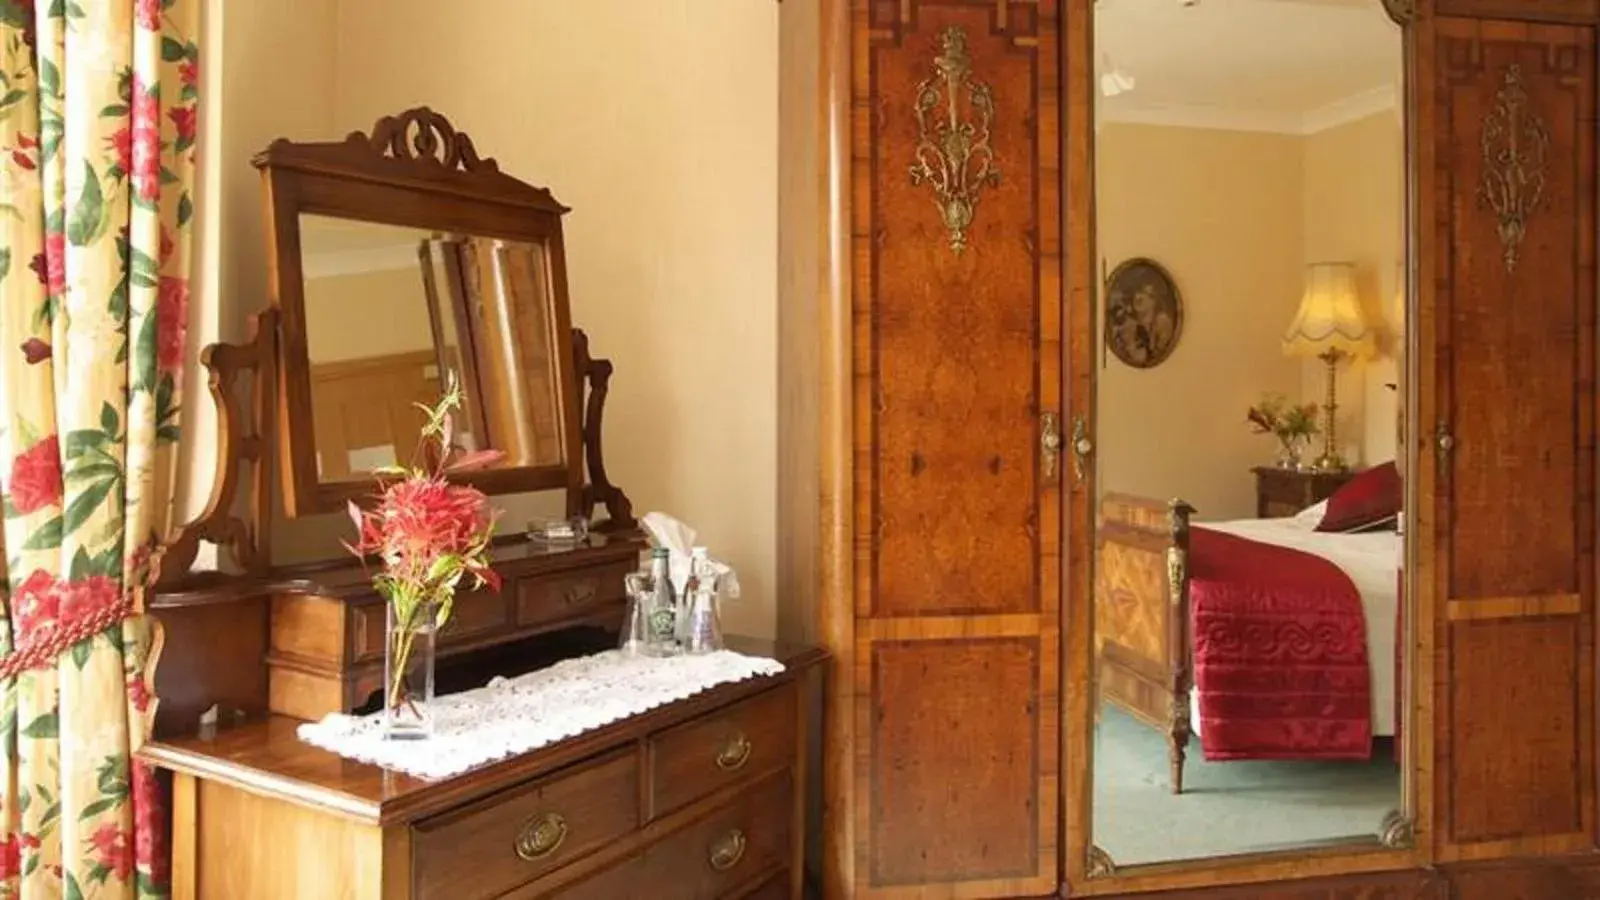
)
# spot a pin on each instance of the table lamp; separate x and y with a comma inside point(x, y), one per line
point(1330, 326)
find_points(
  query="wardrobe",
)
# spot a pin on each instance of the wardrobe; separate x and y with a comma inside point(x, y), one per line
point(937, 356)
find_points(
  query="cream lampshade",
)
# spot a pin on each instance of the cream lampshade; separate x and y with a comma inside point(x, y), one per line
point(1331, 327)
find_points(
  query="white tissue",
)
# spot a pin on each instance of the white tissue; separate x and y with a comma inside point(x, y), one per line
point(678, 538)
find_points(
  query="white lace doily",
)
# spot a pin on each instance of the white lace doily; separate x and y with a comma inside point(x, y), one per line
point(516, 715)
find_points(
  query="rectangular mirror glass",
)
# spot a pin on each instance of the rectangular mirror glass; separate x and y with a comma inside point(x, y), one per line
point(1250, 216)
point(391, 312)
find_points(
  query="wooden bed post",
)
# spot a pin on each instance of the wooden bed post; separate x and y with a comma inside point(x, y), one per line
point(1179, 645)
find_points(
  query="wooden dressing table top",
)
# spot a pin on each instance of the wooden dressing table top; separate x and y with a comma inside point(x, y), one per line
point(266, 757)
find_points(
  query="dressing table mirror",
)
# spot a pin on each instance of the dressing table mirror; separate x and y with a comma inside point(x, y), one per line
point(396, 278)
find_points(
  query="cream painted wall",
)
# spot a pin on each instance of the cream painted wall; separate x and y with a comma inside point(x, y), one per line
point(1355, 212)
point(659, 128)
point(1221, 210)
point(1236, 216)
point(256, 91)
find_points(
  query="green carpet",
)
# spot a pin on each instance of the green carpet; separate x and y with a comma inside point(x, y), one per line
point(1227, 808)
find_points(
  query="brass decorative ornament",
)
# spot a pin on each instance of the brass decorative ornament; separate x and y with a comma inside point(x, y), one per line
point(1516, 142)
point(1101, 865)
point(1397, 831)
point(953, 153)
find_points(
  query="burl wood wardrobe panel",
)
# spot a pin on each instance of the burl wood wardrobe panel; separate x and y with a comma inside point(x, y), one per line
point(955, 349)
point(1514, 443)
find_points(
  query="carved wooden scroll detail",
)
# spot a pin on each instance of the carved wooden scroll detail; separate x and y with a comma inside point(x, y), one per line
point(1403, 12)
point(596, 374)
point(422, 135)
point(244, 436)
point(1516, 142)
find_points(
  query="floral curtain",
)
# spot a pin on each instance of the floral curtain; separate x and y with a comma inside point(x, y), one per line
point(97, 132)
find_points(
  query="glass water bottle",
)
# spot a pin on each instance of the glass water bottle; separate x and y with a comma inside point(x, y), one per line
point(663, 609)
point(702, 631)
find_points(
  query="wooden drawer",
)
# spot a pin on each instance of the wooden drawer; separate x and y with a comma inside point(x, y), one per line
point(614, 882)
point(731, 848)
point(749, 738)
point(512, 838)
point(774, 888)
point(472, 614)
point(555, 598)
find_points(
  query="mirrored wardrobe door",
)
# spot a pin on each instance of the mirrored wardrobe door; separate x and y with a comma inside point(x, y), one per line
point(1249, 218)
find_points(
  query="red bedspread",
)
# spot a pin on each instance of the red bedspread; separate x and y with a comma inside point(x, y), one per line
point(1280, 652)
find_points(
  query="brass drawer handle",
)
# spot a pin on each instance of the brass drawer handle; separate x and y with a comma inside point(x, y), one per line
point(726, 852)
point(581, 592)
point(541, 836)
point(734, 754)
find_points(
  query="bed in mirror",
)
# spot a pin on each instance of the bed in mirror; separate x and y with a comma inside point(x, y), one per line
point(397, 280)
point(1250, 213)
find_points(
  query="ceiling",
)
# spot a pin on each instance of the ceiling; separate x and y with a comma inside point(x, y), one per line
point(1263, 65)
point(332, 246)
point(328, 234)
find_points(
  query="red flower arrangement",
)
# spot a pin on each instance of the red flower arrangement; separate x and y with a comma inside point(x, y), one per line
point(429, 534)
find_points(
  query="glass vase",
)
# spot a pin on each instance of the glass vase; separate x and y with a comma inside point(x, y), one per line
point(1289, 456)
point(408, 660)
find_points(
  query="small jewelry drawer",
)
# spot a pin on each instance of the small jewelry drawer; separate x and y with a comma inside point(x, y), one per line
point(557, 598)
point(733, 848)
point(749, 738)
point(473, 613)
point(512, 838)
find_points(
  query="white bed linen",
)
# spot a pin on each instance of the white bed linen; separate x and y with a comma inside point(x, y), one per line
point(1372, 562)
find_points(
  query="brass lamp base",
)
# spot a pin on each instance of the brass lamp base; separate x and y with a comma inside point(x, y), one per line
point(1330, 461)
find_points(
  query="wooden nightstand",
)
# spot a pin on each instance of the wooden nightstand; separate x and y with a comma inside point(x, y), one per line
point(1284, 492)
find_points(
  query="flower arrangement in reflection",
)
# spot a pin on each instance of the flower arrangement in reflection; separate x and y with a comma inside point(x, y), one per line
point(1292, 424)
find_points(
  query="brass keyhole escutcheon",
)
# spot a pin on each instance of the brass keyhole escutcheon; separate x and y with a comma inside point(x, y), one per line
point(735, 753)
point(1050, 442)
point(727, 851)
point(1081, 447)
point(541, 836)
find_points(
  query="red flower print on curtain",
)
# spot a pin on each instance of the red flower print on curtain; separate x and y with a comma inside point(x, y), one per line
point(95, 220)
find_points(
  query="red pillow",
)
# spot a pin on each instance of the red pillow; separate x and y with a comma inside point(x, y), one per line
point(1371, 498)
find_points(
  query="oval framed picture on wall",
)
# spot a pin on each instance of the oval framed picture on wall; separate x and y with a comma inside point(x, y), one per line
point(1144, 313)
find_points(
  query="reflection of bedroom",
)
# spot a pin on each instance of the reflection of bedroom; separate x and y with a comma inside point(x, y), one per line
point(370, 342)
point(1221, 162)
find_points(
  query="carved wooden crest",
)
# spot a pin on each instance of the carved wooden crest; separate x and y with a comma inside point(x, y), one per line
point(417, 148)
point(422, 135)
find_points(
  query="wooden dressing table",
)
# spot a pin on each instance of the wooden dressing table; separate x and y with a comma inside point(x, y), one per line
point(699, 798)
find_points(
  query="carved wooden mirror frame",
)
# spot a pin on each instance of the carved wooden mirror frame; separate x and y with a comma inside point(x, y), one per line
point(1399, 841)
point(414, 170)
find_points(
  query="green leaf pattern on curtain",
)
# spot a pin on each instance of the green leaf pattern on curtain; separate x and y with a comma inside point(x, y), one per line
point(97, 135)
